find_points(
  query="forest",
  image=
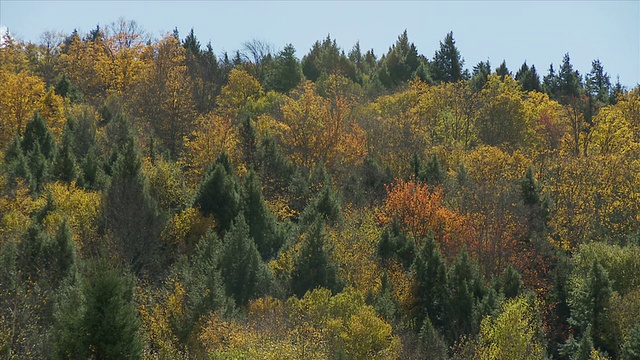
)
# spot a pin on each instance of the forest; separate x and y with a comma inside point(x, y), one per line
point(160, 201)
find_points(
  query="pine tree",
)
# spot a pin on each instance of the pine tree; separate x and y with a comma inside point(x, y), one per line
point(244, 275)
point(430, 286)
point(502, 70)
point(111, 317)
point(511, 282)
point(432, 173)
point(284, 73)
point(219, 194)
point(631, 347)
point(466, 289)
point(64, 166)
point(263, 227)
point(38, 134)
point(313, 267)
point(394, 242)
point(275, 169)
point(131, 215)
point(447, 63)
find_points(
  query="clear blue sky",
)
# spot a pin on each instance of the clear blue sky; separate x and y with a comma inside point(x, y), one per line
point(540, 32)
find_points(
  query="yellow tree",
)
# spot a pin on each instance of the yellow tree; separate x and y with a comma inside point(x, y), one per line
point(240, 91)
point(546, 121)
point(20, 96)
point(165, 96)
point(501, 116)
point(124, 64)
point(81, 60)
point(212, 135)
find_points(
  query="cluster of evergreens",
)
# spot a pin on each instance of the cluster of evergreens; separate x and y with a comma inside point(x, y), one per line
point(159, 201)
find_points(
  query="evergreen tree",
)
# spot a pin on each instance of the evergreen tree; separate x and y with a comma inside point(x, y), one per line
point(528, 78)
point(38, 134)
point(430, 290)
point(502, 70)
point(263, 227)
point(551, 84)
point(313, 267)
point(511, 283)
point(110, 318)
point(432, 342)
point(284, 73)
point(219, 194)
point(481, 72)
point(131, 215)
point(394, 242)
point(249, 143)
point(589, 303)
point(447, 63)
point(64, 166)
point(243, 273)
point(466, 289)
point(631, 347)
point(569, 80)
point(401, 63)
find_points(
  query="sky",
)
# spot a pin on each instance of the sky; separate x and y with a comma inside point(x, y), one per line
point(538, 32)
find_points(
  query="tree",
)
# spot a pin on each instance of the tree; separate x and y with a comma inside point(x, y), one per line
point(166, 95)
point(313, 268)
point(430, 287)
point(631, 347)
point(96, 317)
point(243, 273)
point(514, 334)
point(502, 70)
point(284, 73)
point(447, 63)
point(64, 166)
point(466, 289)
point(480, 75)
point(400, 64)
point(501, 119)
point(528, 78)
point(263, 227)
point(219, 194)
point(326, 58)
point(589, 303)
point(131, 215)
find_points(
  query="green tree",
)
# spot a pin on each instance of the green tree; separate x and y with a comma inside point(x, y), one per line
point(243, 272)
point(589, 303)
point(219, 193)
point(466, 290)
point(480, 75)
point(64, 165)
point(284, 72)
point(313, 268)
point(401, 63)
point(263, 227)
point(447, 63)
point(631, 347)
point(502, 70)
point(528, 78)
point(96, 317)
point(394, 242)
point(131, 215)
point(430, 286)
point(38, 134)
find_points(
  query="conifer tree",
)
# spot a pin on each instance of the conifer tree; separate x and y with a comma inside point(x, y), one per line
point(447, 63)
point(313, 267)
point(263, 227)
point(430, 286)
point(244, 274)
point(64, 166)
point(219, 194)
point(131, 215)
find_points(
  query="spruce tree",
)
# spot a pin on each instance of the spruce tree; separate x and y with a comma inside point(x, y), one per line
point(38, 134)
point(131, 215)
point(219, 194)
point(313, 268)
point(447, 63)
point(64, 166)
point(430, 291)
point(110, 318)
point(244, 274)
point(263, 227)
point(502, 70)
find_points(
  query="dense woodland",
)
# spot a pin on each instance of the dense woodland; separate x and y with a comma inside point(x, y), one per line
point(160, 201)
